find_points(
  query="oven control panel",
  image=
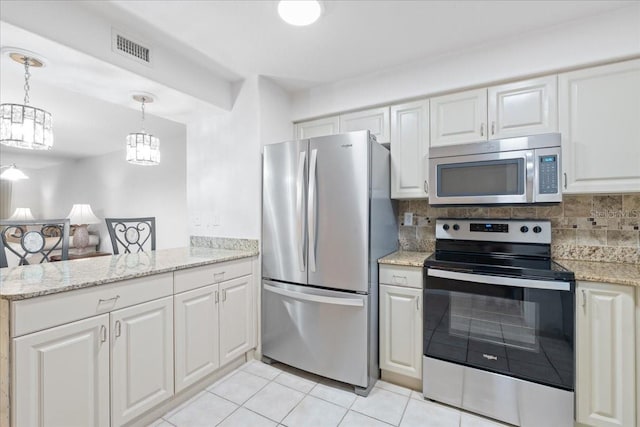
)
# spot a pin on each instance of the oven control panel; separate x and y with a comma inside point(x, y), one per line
point(495, 230)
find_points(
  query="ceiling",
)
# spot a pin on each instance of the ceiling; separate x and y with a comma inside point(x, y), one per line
point(352, 38)
point(90, 99)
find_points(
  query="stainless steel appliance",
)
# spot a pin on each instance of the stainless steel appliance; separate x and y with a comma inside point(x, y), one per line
point(513, 170)
point(499, 322)
point(326, 219)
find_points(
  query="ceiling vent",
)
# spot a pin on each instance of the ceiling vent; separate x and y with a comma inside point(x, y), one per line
point(132, 49)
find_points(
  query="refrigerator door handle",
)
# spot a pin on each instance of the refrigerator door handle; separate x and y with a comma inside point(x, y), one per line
point(311, 209)
point(354, 302)
point(299, 214)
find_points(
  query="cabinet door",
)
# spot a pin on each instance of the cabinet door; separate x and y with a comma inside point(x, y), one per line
point(605, 380)
point(196, 335)
point(375, 120)
point(523, 108)
point(459, 118)
point(409, 150)
point(141, 358)
point(401, 330)
point(319, 127)
point(599, 111)
point(61, 375)
point(236, 319)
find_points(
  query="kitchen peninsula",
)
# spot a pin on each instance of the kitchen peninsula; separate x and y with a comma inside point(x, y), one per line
point(93, 339)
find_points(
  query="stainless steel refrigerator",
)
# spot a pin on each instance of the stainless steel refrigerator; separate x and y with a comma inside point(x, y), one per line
point(326, 219)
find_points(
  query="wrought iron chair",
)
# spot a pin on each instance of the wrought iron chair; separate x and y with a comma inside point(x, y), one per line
point(132, 233)
point(30, 238)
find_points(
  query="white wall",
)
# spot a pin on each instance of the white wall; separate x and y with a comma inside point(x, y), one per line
point(115, 188)
point(224, 183)
point(602, 38)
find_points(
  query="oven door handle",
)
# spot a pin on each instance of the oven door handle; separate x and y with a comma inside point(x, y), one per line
point(500, 280)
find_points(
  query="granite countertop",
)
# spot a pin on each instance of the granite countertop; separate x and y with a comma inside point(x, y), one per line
point(607, 272)
point(405, 258)
point(48, 278)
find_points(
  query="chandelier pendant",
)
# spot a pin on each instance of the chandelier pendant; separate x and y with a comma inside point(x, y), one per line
point(22, 125)
point(143, 148)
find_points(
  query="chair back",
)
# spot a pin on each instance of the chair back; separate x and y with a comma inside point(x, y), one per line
point(132, 234)
point(28, 239)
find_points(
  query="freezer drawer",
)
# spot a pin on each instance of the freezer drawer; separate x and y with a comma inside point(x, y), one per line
point(320, 331)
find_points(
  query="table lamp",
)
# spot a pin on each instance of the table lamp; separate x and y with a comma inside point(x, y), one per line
point(80, 216)
point(21, 214)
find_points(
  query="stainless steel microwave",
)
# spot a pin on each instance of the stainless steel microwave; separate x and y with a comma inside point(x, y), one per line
point(505, 171)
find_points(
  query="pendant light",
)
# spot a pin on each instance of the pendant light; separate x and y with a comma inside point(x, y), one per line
point(21, 125)
point(12, 173)
point(142, 148)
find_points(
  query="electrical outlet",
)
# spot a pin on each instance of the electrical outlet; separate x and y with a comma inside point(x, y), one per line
point(408, 218)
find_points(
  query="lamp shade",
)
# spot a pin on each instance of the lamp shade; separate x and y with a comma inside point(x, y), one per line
point(21, 214)
point(82, 214)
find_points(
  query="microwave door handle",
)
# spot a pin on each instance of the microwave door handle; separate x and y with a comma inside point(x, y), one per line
point(530, 165)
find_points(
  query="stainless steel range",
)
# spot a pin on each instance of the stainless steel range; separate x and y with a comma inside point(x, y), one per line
point(499, 322)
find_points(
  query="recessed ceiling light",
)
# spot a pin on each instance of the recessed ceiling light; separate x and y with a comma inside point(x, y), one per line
point(299, 12)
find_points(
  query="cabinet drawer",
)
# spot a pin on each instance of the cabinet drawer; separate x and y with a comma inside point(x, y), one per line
point(401, 276)
point(192, 278)
point(45, 312)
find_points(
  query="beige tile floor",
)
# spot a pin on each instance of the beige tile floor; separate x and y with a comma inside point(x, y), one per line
point(257, 395)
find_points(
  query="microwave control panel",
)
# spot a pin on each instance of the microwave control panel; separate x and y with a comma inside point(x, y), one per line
point(548, 174)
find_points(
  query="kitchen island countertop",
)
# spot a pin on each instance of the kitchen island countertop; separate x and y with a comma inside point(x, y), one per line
point(49, 278)
point(405, 258)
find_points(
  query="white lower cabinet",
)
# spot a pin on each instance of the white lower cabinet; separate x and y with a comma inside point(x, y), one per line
point(236, 318)
point(61, 375)
point(401, 322)
point(141, 358)
point(605, 355)
point(213, 326)
point(196, 335)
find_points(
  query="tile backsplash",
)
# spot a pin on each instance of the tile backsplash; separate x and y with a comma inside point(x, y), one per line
point(593, 227)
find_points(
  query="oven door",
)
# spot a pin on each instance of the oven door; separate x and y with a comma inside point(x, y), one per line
point(504, 177)
point(522, 328)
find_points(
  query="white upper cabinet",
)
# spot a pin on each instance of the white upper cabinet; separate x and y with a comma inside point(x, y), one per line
point(409, 149)
point(319, 127)
point(459, 118)
point(599, 113)
point(523, 108)
point(376, 120)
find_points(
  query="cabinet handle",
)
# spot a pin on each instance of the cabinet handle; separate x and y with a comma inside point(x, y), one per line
point(426, 186)
point(103, 333)
point(493, 128)
point(565, 180)
point(114, 299)
point(118, 328)
point(481, 129)
point(584, 301)
point(216, 297)
point(224, 295)
point(418, 303)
